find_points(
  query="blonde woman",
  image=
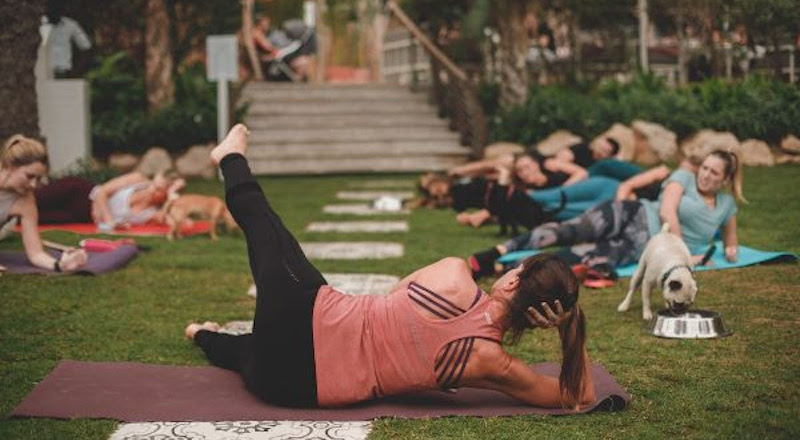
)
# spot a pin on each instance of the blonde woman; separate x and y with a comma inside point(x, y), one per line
point(23, 163)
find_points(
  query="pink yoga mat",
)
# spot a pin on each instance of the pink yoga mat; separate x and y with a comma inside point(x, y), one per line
point(135, 392)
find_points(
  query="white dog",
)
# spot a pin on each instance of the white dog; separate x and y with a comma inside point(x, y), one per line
point(666, 263)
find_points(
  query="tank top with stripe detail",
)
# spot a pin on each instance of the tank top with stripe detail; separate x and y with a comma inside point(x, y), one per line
point(372, 346)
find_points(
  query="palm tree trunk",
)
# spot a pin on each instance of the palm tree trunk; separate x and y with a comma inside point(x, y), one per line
point(19, 43)
point(514, 77)
point(158, 57)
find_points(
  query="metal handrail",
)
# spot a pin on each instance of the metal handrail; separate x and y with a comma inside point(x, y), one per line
point(455, 94)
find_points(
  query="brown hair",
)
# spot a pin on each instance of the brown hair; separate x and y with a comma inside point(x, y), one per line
point(19, 151)
point(546, 278)
point(733, 171)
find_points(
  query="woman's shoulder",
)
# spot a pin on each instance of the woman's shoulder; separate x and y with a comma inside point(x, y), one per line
point(681, 176)
point(450, 276)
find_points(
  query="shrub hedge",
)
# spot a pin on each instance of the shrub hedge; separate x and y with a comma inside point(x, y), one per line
point(757, 107)
point(122, 123)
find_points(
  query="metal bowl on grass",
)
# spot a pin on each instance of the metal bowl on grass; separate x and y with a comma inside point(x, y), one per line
point(691, 324)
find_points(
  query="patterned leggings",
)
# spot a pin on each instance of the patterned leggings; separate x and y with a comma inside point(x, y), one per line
point(612, 232)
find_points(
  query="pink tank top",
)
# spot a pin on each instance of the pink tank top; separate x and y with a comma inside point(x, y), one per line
point(371, 346)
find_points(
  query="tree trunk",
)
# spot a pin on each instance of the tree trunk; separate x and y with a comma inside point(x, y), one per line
point(19, 42)
point(683, 55)
point(158, 57)
point(511, 51)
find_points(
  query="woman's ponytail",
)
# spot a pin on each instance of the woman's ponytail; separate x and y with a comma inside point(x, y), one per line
point(572, 379)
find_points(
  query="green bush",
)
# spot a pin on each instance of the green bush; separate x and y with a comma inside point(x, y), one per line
point(755, 108)
point(122, 123)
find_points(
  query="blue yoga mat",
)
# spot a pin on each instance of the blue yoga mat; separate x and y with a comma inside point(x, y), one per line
point(747, 257)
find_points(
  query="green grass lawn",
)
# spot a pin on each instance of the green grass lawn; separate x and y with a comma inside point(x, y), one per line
point(743, 386)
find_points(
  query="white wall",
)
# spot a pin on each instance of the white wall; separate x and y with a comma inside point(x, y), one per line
point(64, 115)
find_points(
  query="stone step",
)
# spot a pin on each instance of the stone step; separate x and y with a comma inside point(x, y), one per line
point(341, 108)
point(386, 149)
point(264, 85)
point(355, 165)
point(413, 121)
point(347, 134)
point(333, 95)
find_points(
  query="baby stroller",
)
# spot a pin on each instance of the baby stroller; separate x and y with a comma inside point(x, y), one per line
point(295, 39)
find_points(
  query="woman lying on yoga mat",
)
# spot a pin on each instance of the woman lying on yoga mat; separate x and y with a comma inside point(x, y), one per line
point(314, 346)
point(615, 233)
point(128, 199)
point(23, 163)
point(531, 208)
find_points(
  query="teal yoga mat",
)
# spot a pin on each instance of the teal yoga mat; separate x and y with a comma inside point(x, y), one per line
point(747, 257)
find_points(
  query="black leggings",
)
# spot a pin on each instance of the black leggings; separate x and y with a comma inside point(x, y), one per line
point(276, 361)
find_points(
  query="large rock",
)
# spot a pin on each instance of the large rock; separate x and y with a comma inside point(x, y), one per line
point(624, 137)
point(156, 160)
point(498, 149)
point(122, 162)
point(653, 142)
point(557, 141)
point(791, 144)
point(756, 153)
point(705, 141)
point(783, 158)
point(196, 162)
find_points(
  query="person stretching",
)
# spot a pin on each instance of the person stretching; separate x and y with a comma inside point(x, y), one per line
point(314, 346)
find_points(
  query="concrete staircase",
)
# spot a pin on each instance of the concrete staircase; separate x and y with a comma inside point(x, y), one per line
point(321, 129)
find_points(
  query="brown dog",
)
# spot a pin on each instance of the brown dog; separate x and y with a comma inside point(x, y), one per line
point(182, 208)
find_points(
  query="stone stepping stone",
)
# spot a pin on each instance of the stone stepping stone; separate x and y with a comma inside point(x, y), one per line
point(352, 250)
point(383, 184)
point(243, 430)
point(360, 209)
point(239, 327)
point(371, 227)
point(372, 195)
point(350, 283)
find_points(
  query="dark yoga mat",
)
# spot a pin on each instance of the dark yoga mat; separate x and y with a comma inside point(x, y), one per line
point(97, 263)
point(134, 392)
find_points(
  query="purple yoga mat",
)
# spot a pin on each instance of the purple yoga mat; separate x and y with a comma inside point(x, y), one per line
point(134, 392)
point(97, 263)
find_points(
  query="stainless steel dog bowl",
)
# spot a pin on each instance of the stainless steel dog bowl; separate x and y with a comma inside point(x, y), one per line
point(692, 324)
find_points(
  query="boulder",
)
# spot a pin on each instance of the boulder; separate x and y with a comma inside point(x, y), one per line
point(501, 149)
point(557, 141)
point(122, 162)
point(783, 158)
point(196, 162)
point(791, 144)
point(653, 143)
point(155, 160)
point(624, 137)
point(756, 153)
point(705, 141)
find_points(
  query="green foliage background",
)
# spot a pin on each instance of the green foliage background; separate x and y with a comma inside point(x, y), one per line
point(122, 123)
point(757, 108)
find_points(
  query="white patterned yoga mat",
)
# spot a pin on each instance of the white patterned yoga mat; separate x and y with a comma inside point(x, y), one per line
point(355, 283)
point(352, 250)
point(371, 227)
point(383, 184)
point(360, 209)
point(372, 195)
point(243, 430)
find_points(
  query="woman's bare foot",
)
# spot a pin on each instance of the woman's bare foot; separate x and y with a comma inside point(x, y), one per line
point(234, 142)
point(194, 327)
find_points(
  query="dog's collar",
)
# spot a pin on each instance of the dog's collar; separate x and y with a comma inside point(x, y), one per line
point(671, 269)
